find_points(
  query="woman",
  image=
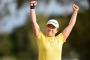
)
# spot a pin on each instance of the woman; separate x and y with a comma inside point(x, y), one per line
point(49, 45)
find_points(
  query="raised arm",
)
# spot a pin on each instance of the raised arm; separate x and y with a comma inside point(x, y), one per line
point(68, 29)
point(35, 26)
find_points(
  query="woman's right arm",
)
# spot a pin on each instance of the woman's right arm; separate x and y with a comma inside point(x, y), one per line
point(35, 25)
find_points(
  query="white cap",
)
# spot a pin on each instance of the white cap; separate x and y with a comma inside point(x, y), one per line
point(53, 22)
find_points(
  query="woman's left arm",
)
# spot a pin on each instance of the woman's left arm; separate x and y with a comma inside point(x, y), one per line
point(72, 21)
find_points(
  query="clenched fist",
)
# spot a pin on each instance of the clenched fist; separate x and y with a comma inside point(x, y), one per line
point(75, 7)
point(33, 3)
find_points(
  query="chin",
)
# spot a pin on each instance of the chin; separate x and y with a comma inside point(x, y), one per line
point(49, 35)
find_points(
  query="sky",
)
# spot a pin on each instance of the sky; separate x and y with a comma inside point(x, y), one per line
point(11, 17)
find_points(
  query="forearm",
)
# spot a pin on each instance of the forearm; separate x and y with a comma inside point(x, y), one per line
point(33, 15)
point(73, 19)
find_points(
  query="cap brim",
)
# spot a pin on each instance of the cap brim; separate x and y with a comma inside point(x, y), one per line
point(52, 24)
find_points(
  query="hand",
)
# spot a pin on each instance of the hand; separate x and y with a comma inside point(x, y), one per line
point(33, 3)
point(75, 7)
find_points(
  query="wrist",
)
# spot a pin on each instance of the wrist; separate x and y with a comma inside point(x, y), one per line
point(76, 11)
point(32, 7)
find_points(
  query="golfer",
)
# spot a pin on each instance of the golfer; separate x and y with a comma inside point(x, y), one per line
point(49, 45)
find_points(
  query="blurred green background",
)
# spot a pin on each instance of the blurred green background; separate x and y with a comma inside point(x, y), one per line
point(17, 40)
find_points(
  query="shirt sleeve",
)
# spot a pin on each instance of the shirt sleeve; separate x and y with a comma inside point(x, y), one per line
point(40, 36)
point(61, 37)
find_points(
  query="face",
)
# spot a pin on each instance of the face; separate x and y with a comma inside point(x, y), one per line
point(51, 30)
